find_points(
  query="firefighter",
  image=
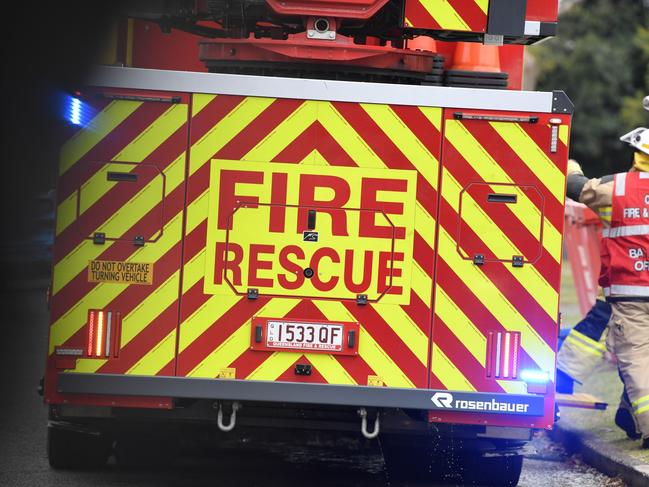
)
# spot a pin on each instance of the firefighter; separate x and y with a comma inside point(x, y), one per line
point(625, 272)
point(584, 347)
point(583, 350)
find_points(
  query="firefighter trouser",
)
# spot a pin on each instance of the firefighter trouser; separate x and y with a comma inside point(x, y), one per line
point(629, 339)
point(584, 347)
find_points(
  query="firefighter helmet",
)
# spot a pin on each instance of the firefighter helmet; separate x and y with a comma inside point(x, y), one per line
point(638, 139)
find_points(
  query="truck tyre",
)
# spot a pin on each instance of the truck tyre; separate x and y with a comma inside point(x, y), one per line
point(491, 471)
point(69, 449)
point(408, 460)
point(145, 452)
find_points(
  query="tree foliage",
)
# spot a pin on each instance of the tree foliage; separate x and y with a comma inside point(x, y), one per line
point(601, 60)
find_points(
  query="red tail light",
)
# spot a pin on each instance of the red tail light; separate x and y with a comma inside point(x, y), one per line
point(503, 354)
point(102, 333)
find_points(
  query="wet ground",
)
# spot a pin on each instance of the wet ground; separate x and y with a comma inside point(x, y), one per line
point(244, 460)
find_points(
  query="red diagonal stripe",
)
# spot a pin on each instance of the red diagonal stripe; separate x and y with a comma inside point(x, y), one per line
point(471, 306)
point(211, 114)
point(462, 359)
point(269, 120)
point(541, 134)
point(502, 215)
point(78, 287)
point(167, 152)
point(387, 150)
point(389, 341)
point(423, 128)
point(418, 311)
point(301, 146)
point(193, 298)
point(315, 137)
point(132, 296)
point(423, 254)
point(518, 171)
point(472, 15)
point(103, 209)
point(511, 288)
point(111, 145)
point(220, 330)
point(144, 342)
point(419, 16)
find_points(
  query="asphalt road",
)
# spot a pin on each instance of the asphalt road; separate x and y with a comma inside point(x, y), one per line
point(245, 460)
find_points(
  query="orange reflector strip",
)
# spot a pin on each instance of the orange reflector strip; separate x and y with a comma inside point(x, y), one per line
point(503, 354)
point(100, 334)
point(91, 331)
point(515, 356)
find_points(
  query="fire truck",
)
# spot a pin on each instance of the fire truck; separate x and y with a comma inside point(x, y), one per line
point(342, 215)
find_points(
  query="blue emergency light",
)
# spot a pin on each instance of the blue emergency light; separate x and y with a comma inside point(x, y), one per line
point(534, 376)
point(76, 112)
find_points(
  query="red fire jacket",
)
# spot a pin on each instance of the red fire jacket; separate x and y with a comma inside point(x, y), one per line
point(625, 245)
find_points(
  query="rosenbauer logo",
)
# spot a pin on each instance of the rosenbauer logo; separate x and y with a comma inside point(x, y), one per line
point(488, 403)
point(310, 231)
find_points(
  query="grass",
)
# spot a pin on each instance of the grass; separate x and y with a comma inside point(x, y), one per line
point(604, 384)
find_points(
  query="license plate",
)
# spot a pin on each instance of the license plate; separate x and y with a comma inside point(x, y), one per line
point(304, 336)
point(311, 336)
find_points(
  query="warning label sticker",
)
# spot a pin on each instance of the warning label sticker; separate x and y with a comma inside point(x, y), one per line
point(118, 272)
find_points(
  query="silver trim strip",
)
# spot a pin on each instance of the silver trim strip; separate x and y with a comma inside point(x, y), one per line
point(626, 231)
point(323, 90)
point(622, 290)
point(282, 392)
point(620, 184)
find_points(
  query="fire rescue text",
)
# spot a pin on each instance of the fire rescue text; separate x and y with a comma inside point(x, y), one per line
point(259, 213)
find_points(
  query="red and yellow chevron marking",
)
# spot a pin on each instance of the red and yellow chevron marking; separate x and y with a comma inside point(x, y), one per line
point(471, 300)
point(183, 324)
point(146, 139)
point(455, 15)
point(215, 326)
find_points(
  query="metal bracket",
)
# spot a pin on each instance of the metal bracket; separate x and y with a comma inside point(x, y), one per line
point(138, 241)
point(253, 293)
point(561, 103)
point(494, 40)
point(478, 259)
point(321, 28)
point(517, 261)
point(303, 369)
point(99, 238)
point(361, 299)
